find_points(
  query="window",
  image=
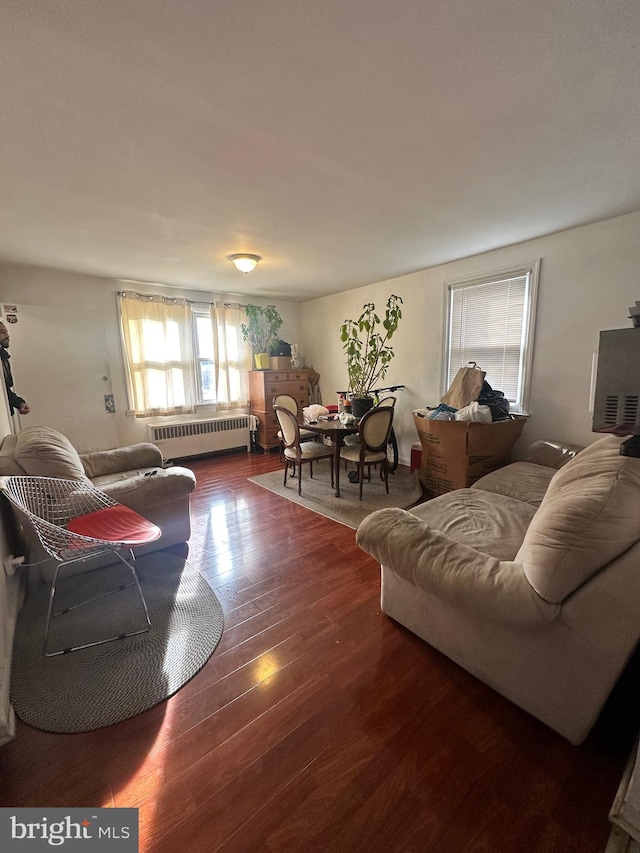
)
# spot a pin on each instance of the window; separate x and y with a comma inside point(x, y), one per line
point(205, 364)
point(179, 354)
point(490, 320)
point(222, 357)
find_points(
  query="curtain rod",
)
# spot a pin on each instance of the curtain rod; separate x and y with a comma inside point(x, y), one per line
point(152, 297)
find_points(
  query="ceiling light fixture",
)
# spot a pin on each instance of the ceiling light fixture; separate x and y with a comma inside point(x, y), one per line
point(245, 263)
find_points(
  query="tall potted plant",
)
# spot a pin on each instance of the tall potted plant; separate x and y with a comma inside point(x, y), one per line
point(366, 344)
point(261, 332)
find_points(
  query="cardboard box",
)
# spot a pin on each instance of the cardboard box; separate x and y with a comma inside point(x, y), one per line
point(280, 362)
point(455, 454)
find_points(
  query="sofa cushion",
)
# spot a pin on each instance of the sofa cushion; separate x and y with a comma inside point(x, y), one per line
point(453, 572)
point(101, 463)
point(523, 481)
point(146, 488)
point(588, 517)
point(492, 523)
point(43, 452)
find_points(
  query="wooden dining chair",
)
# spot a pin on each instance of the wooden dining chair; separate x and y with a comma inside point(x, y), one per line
point(297, 452)
point(289, 402)
point(355, 439)
point(373, 431)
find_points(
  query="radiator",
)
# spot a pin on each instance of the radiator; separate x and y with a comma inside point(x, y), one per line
point(193, 438)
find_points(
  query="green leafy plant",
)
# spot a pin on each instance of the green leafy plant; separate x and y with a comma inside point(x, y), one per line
point(262, 327)
point(365, 342)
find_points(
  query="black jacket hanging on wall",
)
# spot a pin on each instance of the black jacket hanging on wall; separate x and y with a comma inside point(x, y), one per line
point(14, 401)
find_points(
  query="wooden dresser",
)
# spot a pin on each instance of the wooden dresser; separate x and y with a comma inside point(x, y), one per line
point(264, 385)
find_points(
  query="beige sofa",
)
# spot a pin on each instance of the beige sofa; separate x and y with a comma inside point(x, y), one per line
point(530, 580)
point(133, 475)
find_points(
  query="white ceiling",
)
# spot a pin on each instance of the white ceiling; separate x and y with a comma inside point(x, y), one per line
point(344, 141)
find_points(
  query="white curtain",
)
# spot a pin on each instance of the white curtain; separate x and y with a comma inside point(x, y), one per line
point(232, 356)
point(157, 334)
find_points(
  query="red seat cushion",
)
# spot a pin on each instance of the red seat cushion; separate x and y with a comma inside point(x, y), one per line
point(116, 524)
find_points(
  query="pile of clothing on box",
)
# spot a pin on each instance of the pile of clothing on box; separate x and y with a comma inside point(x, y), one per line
point(470, 398)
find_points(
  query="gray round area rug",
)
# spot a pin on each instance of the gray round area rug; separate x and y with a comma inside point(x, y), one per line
point(105, 684)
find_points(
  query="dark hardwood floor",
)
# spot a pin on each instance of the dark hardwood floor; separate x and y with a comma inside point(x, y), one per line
point(319, 724)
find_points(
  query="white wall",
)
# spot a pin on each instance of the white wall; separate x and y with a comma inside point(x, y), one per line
point(60, 364)
point(589, 277)
point(66, 351)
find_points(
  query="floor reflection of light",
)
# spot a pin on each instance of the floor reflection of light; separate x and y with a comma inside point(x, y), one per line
point(224, 563)
point(266, 666)
point(149, 777)
point(218, 522)
point(217, 530)
point(219, 513)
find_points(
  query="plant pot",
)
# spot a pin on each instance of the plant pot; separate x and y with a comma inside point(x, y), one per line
point(261, 360)
point(360, 406)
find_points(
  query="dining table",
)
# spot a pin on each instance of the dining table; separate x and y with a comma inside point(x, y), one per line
point(337, 432)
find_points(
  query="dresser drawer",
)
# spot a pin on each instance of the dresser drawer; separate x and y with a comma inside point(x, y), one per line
point(286, 375)
point(270, 376)
point(296, 388)
point(298, 376)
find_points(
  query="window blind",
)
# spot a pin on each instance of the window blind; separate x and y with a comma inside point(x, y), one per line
point(487, 325)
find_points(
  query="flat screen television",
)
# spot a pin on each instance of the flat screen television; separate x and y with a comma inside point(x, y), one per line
point(616, 404)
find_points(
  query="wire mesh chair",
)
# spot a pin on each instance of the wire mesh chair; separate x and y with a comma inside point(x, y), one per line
point(74, 521)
